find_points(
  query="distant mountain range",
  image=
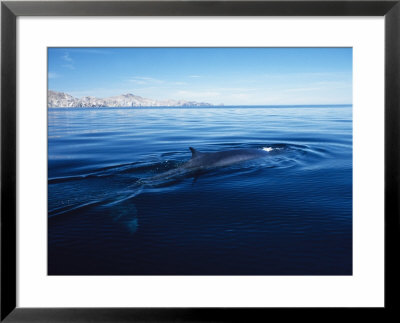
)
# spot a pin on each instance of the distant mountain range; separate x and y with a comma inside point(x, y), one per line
point(64, 100)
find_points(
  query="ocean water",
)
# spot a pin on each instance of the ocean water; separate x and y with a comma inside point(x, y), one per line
point(112, 212)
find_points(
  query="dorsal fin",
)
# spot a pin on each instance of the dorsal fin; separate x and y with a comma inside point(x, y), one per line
point(195, 153)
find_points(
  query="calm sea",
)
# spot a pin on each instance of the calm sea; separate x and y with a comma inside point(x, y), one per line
point(289, 213)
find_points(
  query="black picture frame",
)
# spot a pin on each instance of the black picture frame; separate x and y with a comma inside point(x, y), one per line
point(10, 10)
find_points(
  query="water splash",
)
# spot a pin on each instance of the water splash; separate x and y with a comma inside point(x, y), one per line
point(268, 149)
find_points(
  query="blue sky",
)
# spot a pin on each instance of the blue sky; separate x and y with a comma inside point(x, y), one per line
point(232, 76)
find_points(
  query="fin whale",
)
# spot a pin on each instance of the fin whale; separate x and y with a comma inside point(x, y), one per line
point(222, 158)
point(206, 160)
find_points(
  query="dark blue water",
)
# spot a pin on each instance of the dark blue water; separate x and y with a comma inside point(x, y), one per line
point(111, 212)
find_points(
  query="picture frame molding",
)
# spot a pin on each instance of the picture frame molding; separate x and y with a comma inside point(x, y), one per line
point(11, 10)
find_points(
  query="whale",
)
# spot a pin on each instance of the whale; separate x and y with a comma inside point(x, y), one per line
point(201, 160)
point(207, 160)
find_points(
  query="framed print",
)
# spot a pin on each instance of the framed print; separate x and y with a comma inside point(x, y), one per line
point(198, 161)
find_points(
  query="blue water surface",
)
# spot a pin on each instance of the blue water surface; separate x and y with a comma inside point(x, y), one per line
point(111, 212)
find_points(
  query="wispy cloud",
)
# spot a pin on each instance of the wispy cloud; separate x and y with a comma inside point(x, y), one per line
point(237, 89)
point(92, 50)
point(334, 84)
point(69, 66)
point(302, 89)
point(194, 76)
point(305, 74)
point(53, 75)
point(142, 80)
point(68, 60)
point(152, 82)
point(197, 95)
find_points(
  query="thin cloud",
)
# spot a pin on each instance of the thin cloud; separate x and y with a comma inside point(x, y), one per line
point(141, 80)
point(69, 61)
point(200, 94)
point(94, 50)
point(144, 80)
point(53, 75)
point(69, 66)
point(237, 89)
point(302, 89)
point(67, 58)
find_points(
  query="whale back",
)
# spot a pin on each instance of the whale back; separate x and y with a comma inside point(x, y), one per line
point(195, 153)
